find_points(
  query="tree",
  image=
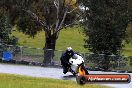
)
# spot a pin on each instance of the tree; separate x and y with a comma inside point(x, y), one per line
point(105, 26)
point(5, 32)
point(50, 16)
point(129, 32)
point(129, 27)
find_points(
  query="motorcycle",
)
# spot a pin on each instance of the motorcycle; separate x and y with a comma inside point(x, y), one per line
point(77, 65)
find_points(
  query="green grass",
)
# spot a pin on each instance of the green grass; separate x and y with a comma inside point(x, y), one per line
point(127, 52)
point(68, 37)
point(71, 37)
point(25, 40)
point(16, 81)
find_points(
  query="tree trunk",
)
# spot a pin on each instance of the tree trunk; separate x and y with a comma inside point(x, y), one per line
point(106, 62)
point(49, 49)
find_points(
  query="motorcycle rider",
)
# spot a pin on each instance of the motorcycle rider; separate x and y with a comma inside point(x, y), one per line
point(65, 59)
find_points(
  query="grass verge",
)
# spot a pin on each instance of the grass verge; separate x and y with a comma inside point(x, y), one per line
point(16, 81)
point(68, 37)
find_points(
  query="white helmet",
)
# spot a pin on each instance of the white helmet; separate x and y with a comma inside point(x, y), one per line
point(69, 49)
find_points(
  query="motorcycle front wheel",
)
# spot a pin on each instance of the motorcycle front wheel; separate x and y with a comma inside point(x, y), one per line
point(82, 70)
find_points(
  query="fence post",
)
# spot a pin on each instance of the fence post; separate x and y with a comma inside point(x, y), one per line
point(48, 56)
point(21, 51)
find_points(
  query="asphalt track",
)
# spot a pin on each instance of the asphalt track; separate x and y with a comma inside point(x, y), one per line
point(50, 72)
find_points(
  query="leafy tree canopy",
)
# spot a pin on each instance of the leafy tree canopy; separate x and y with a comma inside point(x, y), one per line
point(105, 24)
